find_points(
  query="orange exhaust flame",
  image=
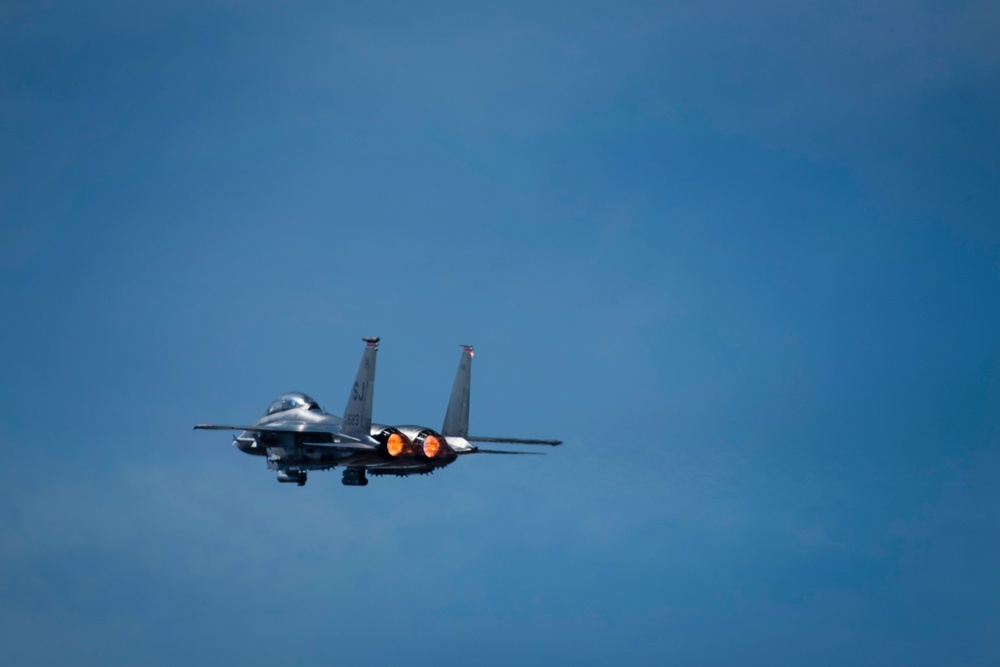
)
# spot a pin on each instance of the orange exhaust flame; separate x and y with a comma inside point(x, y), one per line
point(431, 446)
point(394, 445)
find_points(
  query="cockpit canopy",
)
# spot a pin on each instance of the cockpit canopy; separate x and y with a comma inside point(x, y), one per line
point(292, 400)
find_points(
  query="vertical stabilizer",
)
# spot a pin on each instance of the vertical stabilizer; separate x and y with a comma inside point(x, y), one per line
point(456, 419)
point(358, 413)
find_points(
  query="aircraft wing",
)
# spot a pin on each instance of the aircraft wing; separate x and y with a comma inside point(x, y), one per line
point(500, 451)
point(259, 429)
point(512, 441)
point(340, 441)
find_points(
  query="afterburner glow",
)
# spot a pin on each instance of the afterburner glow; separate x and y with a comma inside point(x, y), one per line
point(394, 445)
point(431, 446)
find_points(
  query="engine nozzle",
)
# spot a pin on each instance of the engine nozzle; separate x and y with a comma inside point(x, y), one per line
point(392, 443)
point(431, 446)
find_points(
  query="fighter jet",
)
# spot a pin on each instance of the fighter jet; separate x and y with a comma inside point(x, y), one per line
point(296, 435)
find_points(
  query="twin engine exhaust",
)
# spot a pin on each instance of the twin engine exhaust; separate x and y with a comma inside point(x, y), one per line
point(415, 441)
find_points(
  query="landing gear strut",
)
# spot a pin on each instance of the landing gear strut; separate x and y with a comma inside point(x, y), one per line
point(355, 477)
point(292, 477)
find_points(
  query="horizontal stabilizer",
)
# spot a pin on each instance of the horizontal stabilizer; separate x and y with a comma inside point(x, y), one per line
point(499, 451)
point(513, 441)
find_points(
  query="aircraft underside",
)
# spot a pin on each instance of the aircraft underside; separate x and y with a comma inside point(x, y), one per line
point(353, 475)
point(292, 468)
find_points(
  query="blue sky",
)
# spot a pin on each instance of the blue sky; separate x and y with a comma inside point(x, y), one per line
point(743, 257)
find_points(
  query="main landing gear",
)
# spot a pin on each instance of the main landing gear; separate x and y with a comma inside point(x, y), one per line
point(355, 477)
point(292, 477)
